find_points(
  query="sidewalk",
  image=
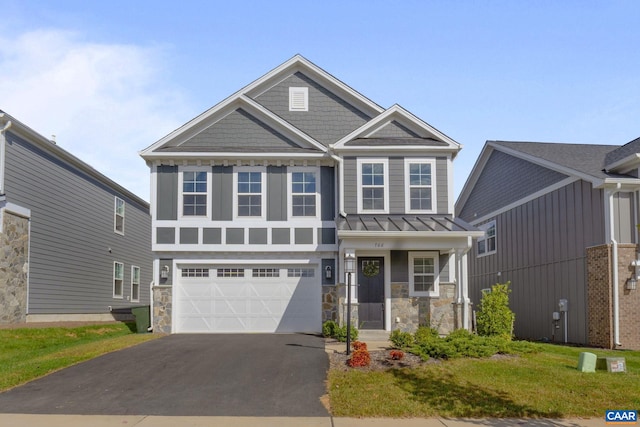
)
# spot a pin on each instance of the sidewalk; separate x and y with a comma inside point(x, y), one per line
point(20, 420)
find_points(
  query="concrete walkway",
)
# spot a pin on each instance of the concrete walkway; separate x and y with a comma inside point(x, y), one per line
point(19, 420)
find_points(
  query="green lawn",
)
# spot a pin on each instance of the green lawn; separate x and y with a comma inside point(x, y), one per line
point(26, 354)
point(544, 384)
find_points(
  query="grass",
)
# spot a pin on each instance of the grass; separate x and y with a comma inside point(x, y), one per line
point(545, 384)
point(27, 354)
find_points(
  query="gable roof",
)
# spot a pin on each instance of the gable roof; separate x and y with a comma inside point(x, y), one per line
point(419, 134)
point(623, 158)
point(577, 161)
point(244, 98)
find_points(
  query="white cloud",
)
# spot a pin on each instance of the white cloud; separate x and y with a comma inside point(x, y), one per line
point(104, 102)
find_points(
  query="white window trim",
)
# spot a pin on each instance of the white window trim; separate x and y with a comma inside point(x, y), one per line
point(385, 170)
point(436, 279)
point(299, 90)
point(263, 193)
point(181, 171)
point(485, 227)
point(290, 172)
point(113, 281)
point(407, 186)
point(115, 215)
point(133, 268)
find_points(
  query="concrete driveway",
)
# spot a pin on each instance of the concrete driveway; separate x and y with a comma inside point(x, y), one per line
point(204, 375)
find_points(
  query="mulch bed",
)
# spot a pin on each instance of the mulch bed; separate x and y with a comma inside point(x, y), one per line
point(380, 361)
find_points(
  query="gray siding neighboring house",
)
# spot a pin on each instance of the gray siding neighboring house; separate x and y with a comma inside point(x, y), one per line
point(258, 201)
point(548, 208)
point(72, 240)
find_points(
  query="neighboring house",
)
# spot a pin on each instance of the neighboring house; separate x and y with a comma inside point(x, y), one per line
point(257, 201)
point(76, 245)
point(561, 224)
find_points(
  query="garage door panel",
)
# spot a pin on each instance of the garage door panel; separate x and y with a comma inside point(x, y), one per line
point(249, 304)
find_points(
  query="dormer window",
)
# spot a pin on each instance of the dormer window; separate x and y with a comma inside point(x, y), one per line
point(298, 99)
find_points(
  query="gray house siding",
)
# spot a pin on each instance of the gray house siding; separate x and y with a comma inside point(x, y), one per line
point(327, 194)
point(222, 193)
point(394, 130)
point(541, 251)
point(524, 178)
point(329, 117)
point(277, 193)
point(167, 181)
point(400, 267)
point(624, 212)
point(73, 243)
point(239, 130)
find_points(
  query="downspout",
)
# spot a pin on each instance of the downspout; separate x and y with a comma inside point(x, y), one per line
point(150, 328)
point(2, 151)
point(339, 184)
point(463, 287)
point(614, 273)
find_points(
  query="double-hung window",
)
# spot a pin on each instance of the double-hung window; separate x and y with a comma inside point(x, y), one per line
point(420, 185)
point(249, 192)
point(135, 283)
point(373, 190)
point(118, 279)
point(424, 274)
point(194, 193)
point(487, 245)
point(303, 194)
point(118, 216)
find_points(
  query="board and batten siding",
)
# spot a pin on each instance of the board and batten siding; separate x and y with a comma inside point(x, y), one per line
point(541, 250)
point(396, 184)
point(73, 243)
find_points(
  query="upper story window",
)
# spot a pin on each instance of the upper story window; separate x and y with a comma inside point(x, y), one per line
point(249, 193)
point(487, 245)
point(303, 194)
point(423, 274)
point(298, 99)
point(420, 185)
point(194, 193)
point(118, 216)
point(373, 189)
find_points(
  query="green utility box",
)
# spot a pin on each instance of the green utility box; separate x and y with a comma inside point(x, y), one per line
point(143, 318)
point(587, 362)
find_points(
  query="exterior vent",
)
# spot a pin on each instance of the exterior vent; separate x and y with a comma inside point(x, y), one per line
point(298, 99)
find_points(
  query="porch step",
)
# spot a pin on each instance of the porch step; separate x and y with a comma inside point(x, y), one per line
point(371, 335)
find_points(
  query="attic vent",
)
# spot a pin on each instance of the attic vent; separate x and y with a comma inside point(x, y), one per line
point(298, 99)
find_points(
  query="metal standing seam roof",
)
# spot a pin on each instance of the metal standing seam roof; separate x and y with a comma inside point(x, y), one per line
point(404, 223)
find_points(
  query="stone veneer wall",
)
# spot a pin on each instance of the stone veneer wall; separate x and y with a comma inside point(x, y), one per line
point(162, 309)
point(14, 244)
point(600, 298)
point(440, 313)
point(329, 303)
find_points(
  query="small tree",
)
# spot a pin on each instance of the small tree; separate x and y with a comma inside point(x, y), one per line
point(495, 318)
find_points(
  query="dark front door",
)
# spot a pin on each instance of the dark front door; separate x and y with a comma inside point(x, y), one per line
point(371, 292)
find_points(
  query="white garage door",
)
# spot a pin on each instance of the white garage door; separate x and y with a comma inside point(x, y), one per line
point(247, 299)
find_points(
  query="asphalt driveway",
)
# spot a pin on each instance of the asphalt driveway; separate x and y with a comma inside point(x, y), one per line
point(206, 375)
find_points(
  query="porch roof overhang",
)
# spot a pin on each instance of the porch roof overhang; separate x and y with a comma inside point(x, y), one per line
point(405, 226)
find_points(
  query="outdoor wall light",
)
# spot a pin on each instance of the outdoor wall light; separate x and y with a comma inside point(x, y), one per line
point(164, 273)
point(328, 273)
point(636, 263)
point(631, 284)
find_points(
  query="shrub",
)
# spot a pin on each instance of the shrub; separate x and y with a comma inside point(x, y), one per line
point(359, 358)
point(425, 334)
point(341, 333)
point(329, 328)
point(396, 354)
point(494, 317)
point(359, 345)
point(401, 339)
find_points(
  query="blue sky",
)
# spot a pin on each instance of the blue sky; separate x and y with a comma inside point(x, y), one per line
point(110, 78)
